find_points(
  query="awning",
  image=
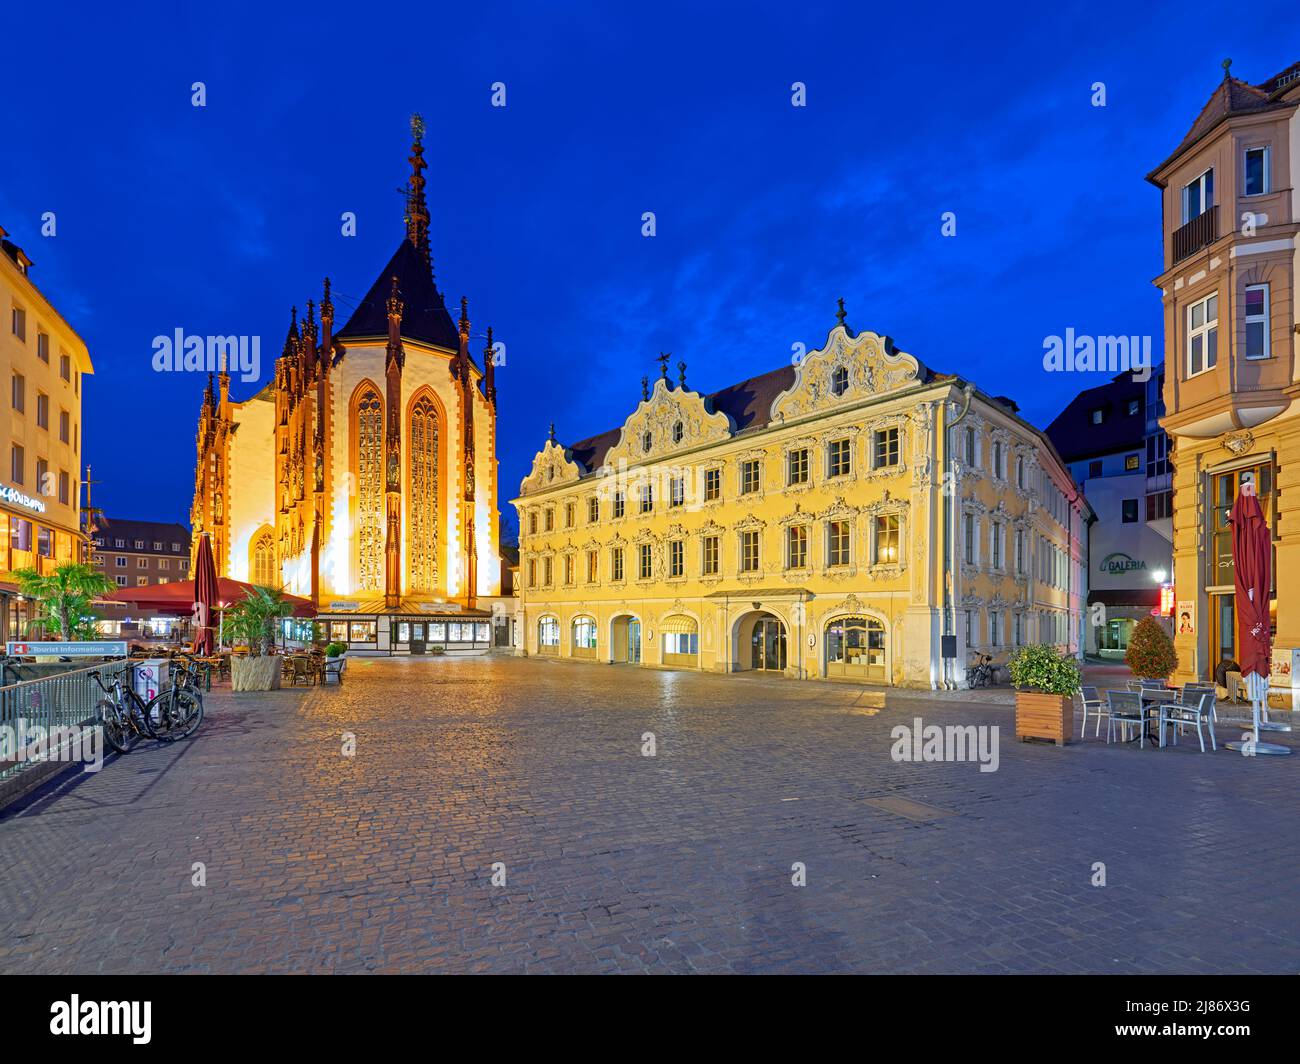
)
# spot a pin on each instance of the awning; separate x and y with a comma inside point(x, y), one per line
point(679, 623)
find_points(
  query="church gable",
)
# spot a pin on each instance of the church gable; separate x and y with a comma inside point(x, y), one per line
point(671, 419)
point(848, 369)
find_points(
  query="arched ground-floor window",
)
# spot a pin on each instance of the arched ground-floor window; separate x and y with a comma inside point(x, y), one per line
point(855, 648)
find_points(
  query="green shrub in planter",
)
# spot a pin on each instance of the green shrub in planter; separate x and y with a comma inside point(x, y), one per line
point(1040, 667)
point(335, 649)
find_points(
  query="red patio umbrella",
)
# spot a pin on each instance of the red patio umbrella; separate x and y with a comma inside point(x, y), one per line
point(1252, 562)
point(177, 598)
point(205, 597)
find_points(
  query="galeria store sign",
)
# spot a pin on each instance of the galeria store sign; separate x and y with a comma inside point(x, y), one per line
point(1118, 562)
point(17, 498)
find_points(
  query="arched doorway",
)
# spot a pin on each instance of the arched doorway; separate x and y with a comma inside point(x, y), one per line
point(625, 639)
point(548, 636)
point(760, 640)
point(855, 649)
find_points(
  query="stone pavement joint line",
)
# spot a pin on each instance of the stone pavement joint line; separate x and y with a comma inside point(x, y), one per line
point(615, 862)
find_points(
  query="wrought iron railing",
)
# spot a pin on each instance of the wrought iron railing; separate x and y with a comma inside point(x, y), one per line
point(57, 705)
point(1200, 232)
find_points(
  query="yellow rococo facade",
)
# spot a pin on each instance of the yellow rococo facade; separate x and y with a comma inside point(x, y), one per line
point(830, 519)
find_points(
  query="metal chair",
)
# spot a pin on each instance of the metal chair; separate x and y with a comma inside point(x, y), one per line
point(1092, 701)
point(1126, 709)
point(1193, 691)
point(1182, 713)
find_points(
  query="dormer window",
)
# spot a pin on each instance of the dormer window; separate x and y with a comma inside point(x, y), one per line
point(839, 380)
point(679, 430)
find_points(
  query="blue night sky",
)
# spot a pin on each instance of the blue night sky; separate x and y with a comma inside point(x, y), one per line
point(217, 219)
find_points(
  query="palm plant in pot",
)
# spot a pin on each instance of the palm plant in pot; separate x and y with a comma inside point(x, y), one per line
point(253, 622)
point(1045, 681)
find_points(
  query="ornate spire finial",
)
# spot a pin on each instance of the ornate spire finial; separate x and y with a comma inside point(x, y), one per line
point(551, 437)
point(395, 306)
point(489, 368)
point(664, 356)
point(464, 317)
point(840, 314)
point(417, 210)
point(1227, 67)
point(681, 374)
point(645, 388)
point(326, 304)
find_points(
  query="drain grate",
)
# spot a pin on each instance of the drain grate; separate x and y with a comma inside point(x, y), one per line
point(905, 807)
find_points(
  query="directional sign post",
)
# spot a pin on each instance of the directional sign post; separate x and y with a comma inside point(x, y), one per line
point(52, 648)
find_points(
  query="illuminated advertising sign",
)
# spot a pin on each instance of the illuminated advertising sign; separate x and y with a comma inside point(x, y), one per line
point(17, 498)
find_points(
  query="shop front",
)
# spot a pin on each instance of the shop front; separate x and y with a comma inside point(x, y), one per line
point(441, 630)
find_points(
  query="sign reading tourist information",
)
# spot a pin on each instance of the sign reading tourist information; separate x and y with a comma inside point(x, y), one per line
point(17, 498)
point(107, 649)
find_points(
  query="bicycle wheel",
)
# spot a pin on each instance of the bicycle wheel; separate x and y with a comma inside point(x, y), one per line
point(118, 733)
point(184, 714)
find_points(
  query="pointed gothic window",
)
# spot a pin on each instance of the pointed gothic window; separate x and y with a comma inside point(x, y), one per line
point(370, 491)
point(262, 561)
point(422, 549)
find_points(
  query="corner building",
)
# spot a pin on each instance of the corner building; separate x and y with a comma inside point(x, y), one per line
point(798, 523)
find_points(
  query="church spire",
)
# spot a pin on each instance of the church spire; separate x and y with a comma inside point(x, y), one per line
point(417, 210)
point(489, 370)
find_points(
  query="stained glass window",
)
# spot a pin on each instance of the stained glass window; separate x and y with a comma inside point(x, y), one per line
point(370, 492)
point(422, 548)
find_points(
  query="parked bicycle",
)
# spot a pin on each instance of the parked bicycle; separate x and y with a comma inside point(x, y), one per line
point(981, 674)
point(172, 714)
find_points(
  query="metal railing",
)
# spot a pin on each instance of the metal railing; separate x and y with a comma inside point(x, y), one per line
point(1200, 232)
point(54, 703)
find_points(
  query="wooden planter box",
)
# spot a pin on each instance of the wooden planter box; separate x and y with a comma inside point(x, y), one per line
point(255, 673)
point(1042, 716)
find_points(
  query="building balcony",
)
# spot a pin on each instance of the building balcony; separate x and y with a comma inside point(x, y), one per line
point(1200, 232)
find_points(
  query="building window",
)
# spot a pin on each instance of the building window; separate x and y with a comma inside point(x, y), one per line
point(142, 563)
point(120, 562)
point(65, 367)
point(1202, 335)
point(548, 632)
point(749, 476)
point(1020, 629)
point(620, 504)
point(1160, 504)
point(17, 464)
point(1130, 511)
point(839, 458)
point(593, 563)
point(1020, 551)
point(999, 534)
point(886, 549)
point(139, 544)
point(547, 572)
point(676, 491)
point(679, 430)
point(119, 543)
point(593, 510)
point(796, 466)
point(18, 392)
point(995, 632)
point(712, 484)
point(532, 523)
point(616, 564)
point(969, 536)
point(1198, 196)
point(709, 564)
point(999, 460)
point(18, 323)
point(647, 498)
point(749, 552)
point(837, 543)
point(42, 410)
point(647, 441)
point(121, 581)
point(43, 346)
point(677, 558)
point(1257, 175)
point(1257, 338)
point(1020, 473)
point(550, 519)
point(584, 634)
point(570, 514)
point(264, 567)
point(64, 487)
point(645, 568)
point(370, 490)
point(972, 451)
point(839, 380)
point(1098, 415)
point(970, 628)
point(1134, 407)
point(422, 510)
point(43, 477)
point(885, 447)
point(568, 568)
point(796, 547)
point(1094, 469)
point(141, 581)
point(65, 421)
point(1132, 462)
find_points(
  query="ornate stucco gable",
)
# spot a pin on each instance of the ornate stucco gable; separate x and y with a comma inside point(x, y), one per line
point(871, 367)
point(551, 465)
point(656, 421)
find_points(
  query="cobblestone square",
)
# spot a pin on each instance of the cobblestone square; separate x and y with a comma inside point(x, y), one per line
point(619, 862)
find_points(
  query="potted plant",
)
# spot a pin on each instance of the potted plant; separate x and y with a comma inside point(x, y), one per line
point(1151, 654)
point(335, 650)
point(1045, 681)
point(253, 622)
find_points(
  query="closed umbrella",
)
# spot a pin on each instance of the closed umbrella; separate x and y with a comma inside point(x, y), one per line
point(1252, 560)
point(205, 597)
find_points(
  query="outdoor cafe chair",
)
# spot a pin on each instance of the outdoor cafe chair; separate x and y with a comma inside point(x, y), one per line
point(1093, 702)
point(1181, 714)
point(1193, 691)
point(1126, 709)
